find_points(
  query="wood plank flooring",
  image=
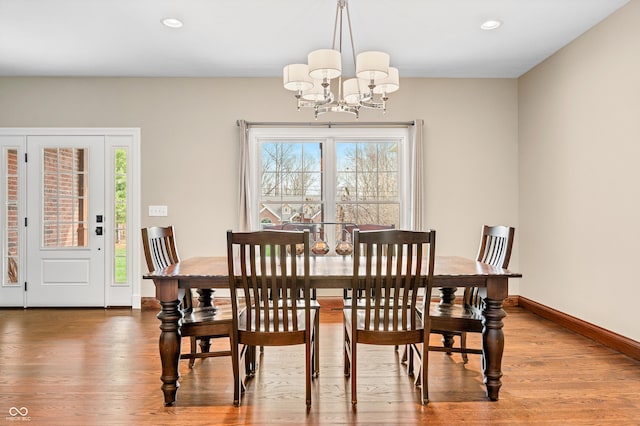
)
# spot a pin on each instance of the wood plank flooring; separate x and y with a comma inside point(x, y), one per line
point(101, 367)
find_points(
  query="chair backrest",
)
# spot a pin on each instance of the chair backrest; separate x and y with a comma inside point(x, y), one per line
point(268, 280)
point(159, 247)
point(495, 245)
point(369, 227)
point(392, 281)
point(495, 249)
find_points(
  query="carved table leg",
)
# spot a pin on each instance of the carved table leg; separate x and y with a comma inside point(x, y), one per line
point(169, 344)
point(170, 339)
point(493, 336)
point(205, 299)
point(447, 299)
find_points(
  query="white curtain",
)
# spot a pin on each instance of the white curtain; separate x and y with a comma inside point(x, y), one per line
point(417, 164)
point(245, 180)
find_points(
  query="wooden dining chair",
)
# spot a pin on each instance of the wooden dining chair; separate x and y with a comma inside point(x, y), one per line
point(274, 287)
point(451, 319)
point(198, 323)
point(385, 311)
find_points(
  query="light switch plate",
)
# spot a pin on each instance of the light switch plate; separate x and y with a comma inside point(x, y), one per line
point(158, 211)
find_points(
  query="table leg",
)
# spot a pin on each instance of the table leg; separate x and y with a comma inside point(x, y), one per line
point(493, 336)
point(169, 345)
point(447, 299)
point(170, 339)
point(205, 299)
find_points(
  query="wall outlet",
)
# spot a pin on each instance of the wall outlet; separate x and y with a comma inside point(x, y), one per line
point(158, 211)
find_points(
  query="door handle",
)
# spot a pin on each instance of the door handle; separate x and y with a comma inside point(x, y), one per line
point(99, 230)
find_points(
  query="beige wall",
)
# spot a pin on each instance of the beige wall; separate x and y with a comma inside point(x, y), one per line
point(579, 137)
point(190, 147)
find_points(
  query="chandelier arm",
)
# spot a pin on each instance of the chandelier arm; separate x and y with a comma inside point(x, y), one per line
point(335, 24)
point(303, 103)
point(319, 110)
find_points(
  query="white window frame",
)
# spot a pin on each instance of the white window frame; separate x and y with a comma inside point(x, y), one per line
point(330, 136)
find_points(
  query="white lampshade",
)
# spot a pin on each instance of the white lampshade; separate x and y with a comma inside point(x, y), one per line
point(324, 63)
point(352, 90)
point(372, 65)
point(315, 93)
point(296, 77)
point(389, 84)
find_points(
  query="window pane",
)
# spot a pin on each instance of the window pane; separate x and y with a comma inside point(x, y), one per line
point(64, 209)
point(367, 182)
point(65, 160)
point(12, 217)
point(50, 235)
point(12, 242)
point(12, 188)
point(383, 214)
point(65, 185)
point(11, 247)
point(50, 160)
point(12, 270)
point(291, 177)
point(120, 249)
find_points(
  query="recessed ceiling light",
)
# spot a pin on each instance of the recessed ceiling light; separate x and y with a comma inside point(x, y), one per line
point(172, 22)
point(491, 24)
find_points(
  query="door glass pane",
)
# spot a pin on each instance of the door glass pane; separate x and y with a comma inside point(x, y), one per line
point(120, 249)
point(64, 207)
point(10, 206)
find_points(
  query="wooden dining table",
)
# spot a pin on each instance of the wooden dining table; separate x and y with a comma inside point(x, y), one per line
point(330, 272)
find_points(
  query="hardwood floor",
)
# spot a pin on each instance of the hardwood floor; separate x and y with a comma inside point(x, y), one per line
point(96, 366)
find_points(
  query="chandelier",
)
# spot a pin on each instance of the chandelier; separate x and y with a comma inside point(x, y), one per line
point(312, 82)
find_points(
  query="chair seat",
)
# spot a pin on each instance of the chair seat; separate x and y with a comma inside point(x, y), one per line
point(362, 302)
point(242, 319)
point(455, 317)
point(207, 321)
point(360, 317)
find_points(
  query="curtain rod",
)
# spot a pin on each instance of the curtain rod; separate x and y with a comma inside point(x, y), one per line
point(328, 124)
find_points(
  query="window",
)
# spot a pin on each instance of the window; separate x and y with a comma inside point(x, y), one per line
point(64, 198)
point(10, 206)
point(336, 175)
point(120, 203)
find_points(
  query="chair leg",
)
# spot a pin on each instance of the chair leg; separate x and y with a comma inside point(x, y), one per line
point(424, 371)
point(354, 397)
point(250, 361)
point(316, 344)
point(194, 346)
point(346, 344)
point(235, 361)
point(463, 346)
point(308, 371)
point(410, 360)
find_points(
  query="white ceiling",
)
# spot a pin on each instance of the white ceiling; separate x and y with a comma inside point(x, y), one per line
point(246, 38)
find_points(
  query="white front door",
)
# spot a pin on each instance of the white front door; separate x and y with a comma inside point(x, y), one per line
point(66, 221)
